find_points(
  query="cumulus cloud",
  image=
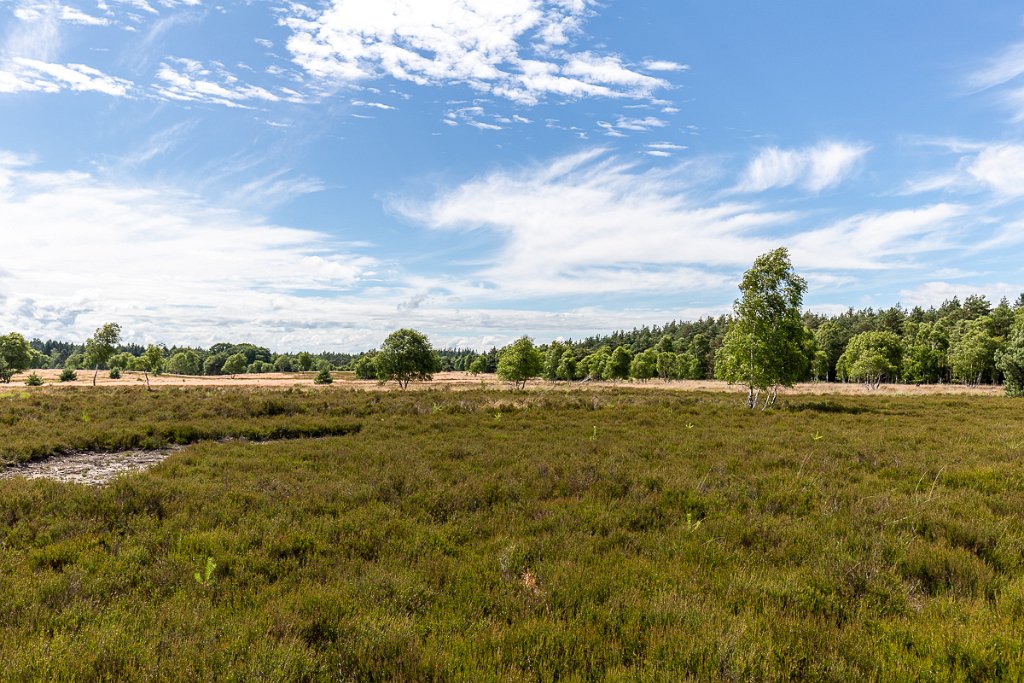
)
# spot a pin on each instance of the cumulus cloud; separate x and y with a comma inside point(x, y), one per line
point(168, 265)
point(173, 268)
point(514, 49)
point(814, 168)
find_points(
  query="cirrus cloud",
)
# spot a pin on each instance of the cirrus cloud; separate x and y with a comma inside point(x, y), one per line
point(815, 168)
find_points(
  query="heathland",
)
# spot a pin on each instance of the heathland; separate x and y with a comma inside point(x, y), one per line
point(588, 533)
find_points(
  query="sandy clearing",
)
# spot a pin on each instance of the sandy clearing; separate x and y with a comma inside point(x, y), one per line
point(90, 468)
point(463, 380)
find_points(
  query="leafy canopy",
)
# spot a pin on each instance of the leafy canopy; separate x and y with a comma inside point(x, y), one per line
point(1010, 360)
point(519, 361)
point(101, 346)
point(871, 357)
point(406, 355)
point(764, 347)
point(15, 356)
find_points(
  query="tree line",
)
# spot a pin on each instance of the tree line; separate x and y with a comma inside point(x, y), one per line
point(766, 342)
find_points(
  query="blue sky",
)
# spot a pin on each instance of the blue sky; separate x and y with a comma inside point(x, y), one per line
point(317, 175)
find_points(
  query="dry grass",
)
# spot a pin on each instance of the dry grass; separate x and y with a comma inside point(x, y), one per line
point(463, 380)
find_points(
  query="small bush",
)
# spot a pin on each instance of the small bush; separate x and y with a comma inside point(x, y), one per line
point(68, 375)
point(323, 377)
point(34, 380)
point(115, 373)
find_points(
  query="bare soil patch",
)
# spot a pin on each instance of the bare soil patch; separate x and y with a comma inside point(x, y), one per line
point(93, 469)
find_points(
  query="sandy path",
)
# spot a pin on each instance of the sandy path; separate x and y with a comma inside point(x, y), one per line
point(463, 380)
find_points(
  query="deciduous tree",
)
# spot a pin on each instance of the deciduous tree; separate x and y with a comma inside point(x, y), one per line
point(101, 346)
point(763, 348)
point(406, 355)
point(235, 364)
point(644, 365)
point(871, 357)
point(972, 350)
point(366, 366)
point(519, 361)
point(15, 356)
point(1010, 360)
point(618, 363)
point(184, 363)
point(152, 362)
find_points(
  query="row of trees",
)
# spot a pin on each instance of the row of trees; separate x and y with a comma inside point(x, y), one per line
point(767, 342)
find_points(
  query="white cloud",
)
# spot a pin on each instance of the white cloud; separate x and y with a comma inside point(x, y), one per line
point(192, 81)
point(514, 49)
point(636, 124)
point(37, 34)
point(814, 168)
point(609, 129)
point(29, 75)
point(639, 125)
point(272, 190)
point(1001, 168)
point(1002, 75)
point(663, 65)
point(662, 149)
point(996, 167)
point(935, 292)
point(590, 225)
point(477, 117)
point(1003, 237)
point(1001, 69)
point(42, 11)
point(610, 71)
point(166, 264)
point(374, 105)
point(880, 240)
point(666, 146)
point(174, 269)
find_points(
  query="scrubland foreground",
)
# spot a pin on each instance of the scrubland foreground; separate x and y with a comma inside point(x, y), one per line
point(483, 535)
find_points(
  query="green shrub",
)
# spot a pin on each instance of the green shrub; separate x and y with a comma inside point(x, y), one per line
point(323, 377)
point(115, 373)
point(438, 540)
point(68, 375)
point(34, 380)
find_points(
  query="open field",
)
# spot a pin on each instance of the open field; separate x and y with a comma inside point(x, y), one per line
point(464, 380)
point(590, 533)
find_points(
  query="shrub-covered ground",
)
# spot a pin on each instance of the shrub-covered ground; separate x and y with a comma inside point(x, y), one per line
point(481, 535)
